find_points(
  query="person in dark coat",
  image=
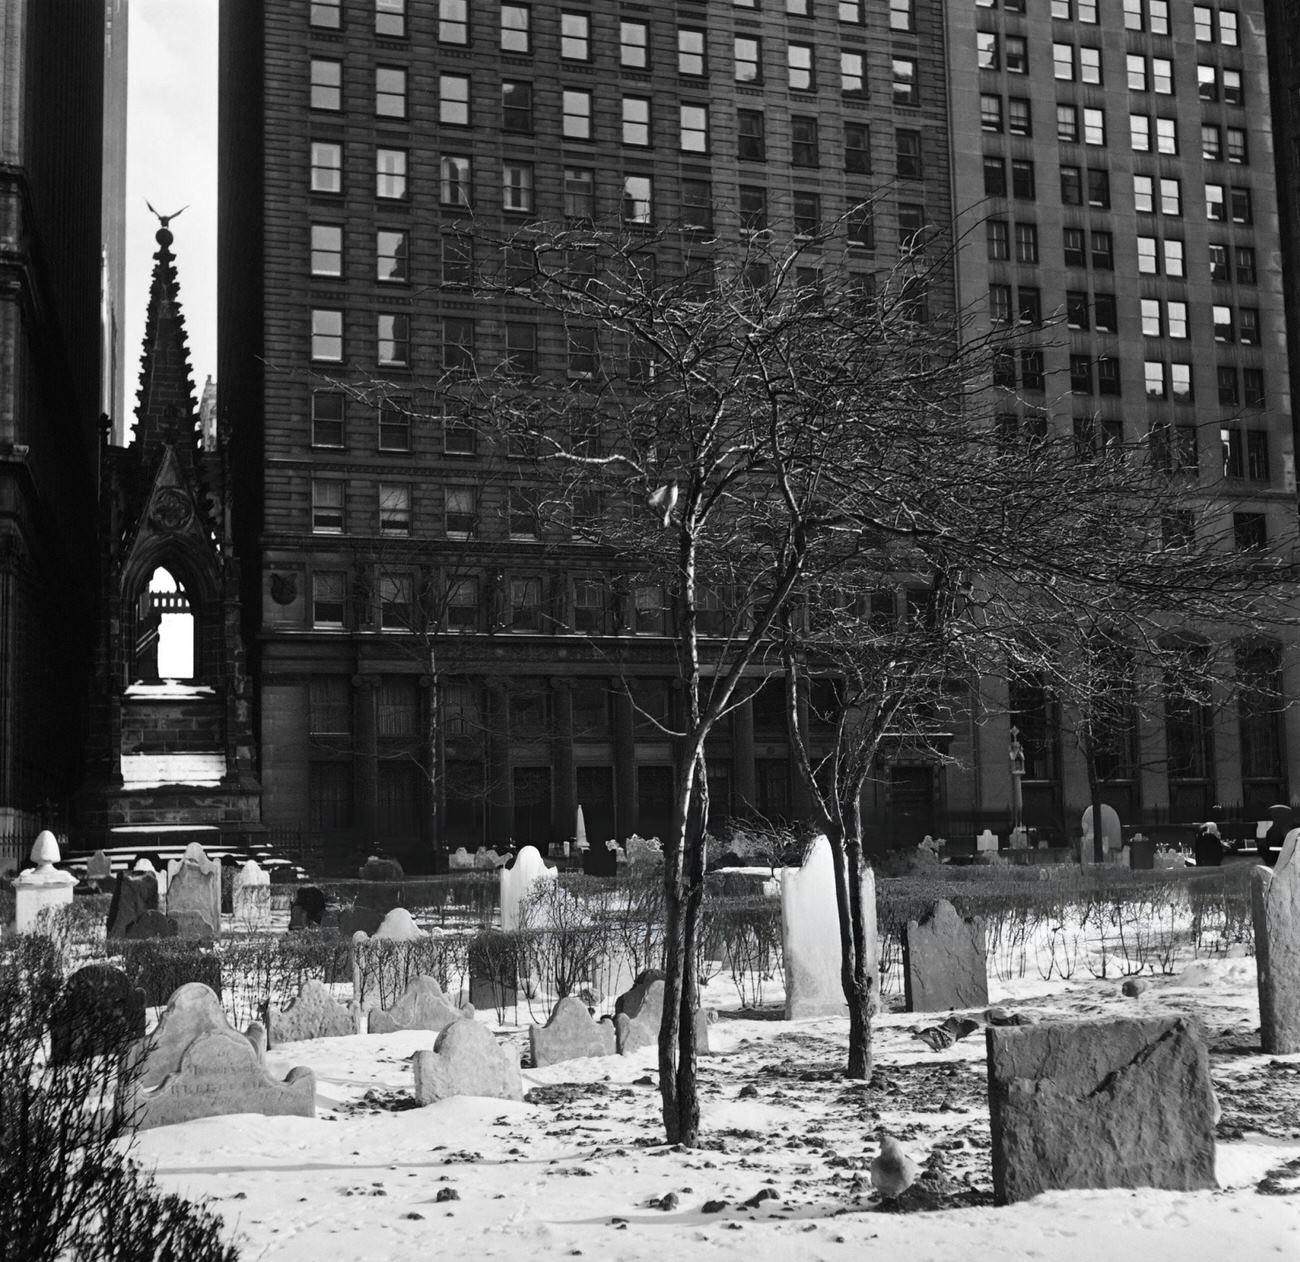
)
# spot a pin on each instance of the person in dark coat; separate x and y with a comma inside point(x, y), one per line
point(1208, 846)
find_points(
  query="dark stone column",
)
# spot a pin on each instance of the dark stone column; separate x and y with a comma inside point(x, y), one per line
point(744, 777)
point(625, 807)
point(497, 816)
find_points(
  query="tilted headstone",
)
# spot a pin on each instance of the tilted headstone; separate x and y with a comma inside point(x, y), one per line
point(98, 1012)
point(308, 907)
point(422, 1006)
point(639, 1011)
point(1100, 1104)
point(42, 888)
point(460, 859)
point(945, 963)
point(518, 882)
point(810, 929)
point(314, 1014)
point(251, 897)
point(398, 925)
point(193, 1010)
point(493, 970)
point(570, 1034)
point(467, 1060)
point(219, 1073)
point(1275, 908)
point(133, 894)
point(194, 893)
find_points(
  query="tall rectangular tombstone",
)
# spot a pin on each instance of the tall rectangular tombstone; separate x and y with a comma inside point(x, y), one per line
point(1275, 909)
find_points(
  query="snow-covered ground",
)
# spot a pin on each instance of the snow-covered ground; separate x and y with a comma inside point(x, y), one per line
point(573, 1170)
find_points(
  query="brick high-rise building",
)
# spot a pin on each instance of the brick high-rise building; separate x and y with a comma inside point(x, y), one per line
point(360, 137)
point(51, 114)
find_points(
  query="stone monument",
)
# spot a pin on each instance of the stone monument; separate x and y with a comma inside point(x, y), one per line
point(42, 888)
point(570, 1034)
point(194, 893)
point(314, 1014)
point(467, 1060)
point(1275, 908)
point(945, 964)
point(251, 897)
point(517, 883)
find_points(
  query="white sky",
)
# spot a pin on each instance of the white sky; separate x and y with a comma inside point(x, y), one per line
point(172, 162)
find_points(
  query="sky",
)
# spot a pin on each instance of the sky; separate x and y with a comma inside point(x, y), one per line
point(172, 162)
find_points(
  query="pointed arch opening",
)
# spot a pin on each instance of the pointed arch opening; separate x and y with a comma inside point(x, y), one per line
point(164, 635)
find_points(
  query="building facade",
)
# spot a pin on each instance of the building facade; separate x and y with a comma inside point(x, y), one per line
point(51, 124)
point(359, 139)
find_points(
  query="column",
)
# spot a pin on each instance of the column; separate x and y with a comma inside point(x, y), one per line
point(498, 817)
point(565, 803)
point(625, 806)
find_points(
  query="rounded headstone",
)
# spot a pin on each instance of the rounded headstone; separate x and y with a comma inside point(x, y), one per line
point(399, 926)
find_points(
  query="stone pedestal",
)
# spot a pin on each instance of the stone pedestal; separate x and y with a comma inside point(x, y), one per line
point(42, 887)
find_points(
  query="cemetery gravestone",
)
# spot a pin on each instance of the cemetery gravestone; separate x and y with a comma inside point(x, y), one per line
point(146, 868)
point(1100, 1104)
point(376, 868)
point(194, 893)
point(460, 859)
point(192, 1011)
point(638, 1013)
point(518, 881)
point(398, 925)
point(308, 908)
point(152, 924)
point(422, 1006)
point(1112, 834)
point(467, 1060)
point(810, 930)
point(1275, 909)
point(251, 897)
point(986, 842)
point(99, 870)
point(493, 971)
point(570, 1034)
point(133, 895)
point(314, 1014)
point(644, 850)
point(1281, 822)
point(219, 1073)
point(98, 1012)
point(944, 962)
point(42, 888)
point(369, 910)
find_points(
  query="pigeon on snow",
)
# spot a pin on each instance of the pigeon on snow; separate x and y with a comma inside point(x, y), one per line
point(893, 1171)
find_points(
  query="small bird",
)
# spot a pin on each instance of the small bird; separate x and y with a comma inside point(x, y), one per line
point(665, 498)
point(938, 1038)
point(893, 1171)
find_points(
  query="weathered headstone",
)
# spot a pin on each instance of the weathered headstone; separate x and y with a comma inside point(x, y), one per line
point(986, 842)
point(43, 888)
point(99, 870)
point(945, 964)
point(98, 1012)
point(314, 1014)
point(398, 925)
point(194, 893)
point(192, 1011)
point(460, 859)
point(467, 1060)
point(810, 929)
point(422, 1006)
point(493, 970)
point(308, 907)
point(256, 1035)
point(488, 860)
point(1281, 822)
point(144, 866)
point(372, 904)
point(570, 1033)
point(251, 897)
point(377, 868)
point(133, 894)
point(219, 1073)
point(644, 850)
point(1275, 907)
point(1100, 1104)
point(152, 924)
point(518, 882)
point(638, 1013)
point(1112, 833)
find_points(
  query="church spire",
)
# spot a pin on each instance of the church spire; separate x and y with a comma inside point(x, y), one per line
point(165, 409)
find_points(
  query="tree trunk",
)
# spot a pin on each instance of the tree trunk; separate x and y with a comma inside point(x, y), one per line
point(1094, 796)
point(846, 848)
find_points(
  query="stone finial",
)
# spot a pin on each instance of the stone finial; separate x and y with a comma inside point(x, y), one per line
point(45, 849)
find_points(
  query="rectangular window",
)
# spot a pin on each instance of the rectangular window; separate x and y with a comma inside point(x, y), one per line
point(1248, 326)
point(395, 425)
point(1063, 61)
point(1080, 374)
point(637, 205)
point(987, 56)
point(990, 112)
point(394, 509)
point(1016, 55)
point(633, 45)
point(853, 74)
point(579, 194)
point(583, 352)
point(1139, 133)
point(517, 187)
point(327, 335)
point(1136, 66)
point(523, 513)
point(1026, 243)
point(460, 511)
point(804, 146)
point(1232, 89)
point(1257, 468)
point(1211, 143)
point(326, 84)
point(1108, 377)
point(1030, 305)
point(390, 92)
point(857, 148)
point(454, 180)
point(1171, 197)
point(753, 209)
point(1240, 204)
point(1166, 135)
point(1022, 179)
point(326, 167)
point(995, 176)
point(697, 205)
point(516, 29)
point(327, 506)
point(457, 259)
point(396, 601)
point(1000, 304)
point(692, 53)
point(1176, 319)
point(1238, 151)
point(1105, 316)
point(1144, 193)
point(577, 114)
point(1094, 127)
point(1222, 316)
point(1216, 202)
point(1148, 256)
point(1174, 259)
point(850, 11)
point(521, 347)
point(575, 36)
point(636, 121)
point(861, 226)
point(1252, 387)
point(1098, 188)
point(462, 602)
point(901, 16)
point(1071, 186)
point(329, 597)
point(516, 106)
point(391, 254)
point(1249, 531)
point(998, 238)
point(326, 250)
point(1019, 117)
point(747, 57)
point(1244, 256)
point(453, 100)
point(457, 344)
point(526, 613)
point(906, 91)
point(1067, 123)
point(1162, 75)
point(1103, 251)
point(799, 64)
point(326, 13)
point(1152, 325)
point(1077, 310)
point(1207, 83)
point(1154, 374)
point(393, 339)
point(327, 419)
point(1229, 397)
point(453, 21)
point(390, 174)
point(694, 128)
point(1180, 383)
